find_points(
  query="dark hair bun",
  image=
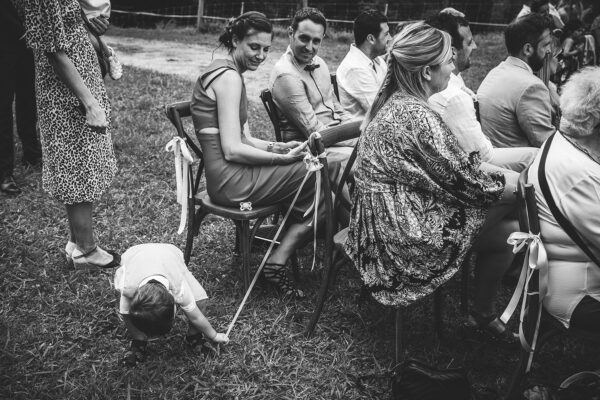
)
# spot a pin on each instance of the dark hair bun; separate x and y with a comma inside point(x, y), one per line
point(241, 26)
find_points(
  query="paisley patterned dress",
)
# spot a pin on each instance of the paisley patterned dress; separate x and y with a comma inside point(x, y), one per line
point(418, 205)
point(78, 163)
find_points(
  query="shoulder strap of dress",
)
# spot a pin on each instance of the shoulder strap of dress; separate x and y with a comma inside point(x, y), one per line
point(560, 218)
point(221, 70)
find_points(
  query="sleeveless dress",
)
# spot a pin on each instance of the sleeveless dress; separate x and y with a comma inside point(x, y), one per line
point(229, 183)
point(78, 163)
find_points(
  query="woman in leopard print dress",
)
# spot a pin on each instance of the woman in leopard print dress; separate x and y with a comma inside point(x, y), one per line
point(74, 115)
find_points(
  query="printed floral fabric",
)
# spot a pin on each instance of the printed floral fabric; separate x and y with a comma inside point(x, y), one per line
point(418, 205)
point(79, 163)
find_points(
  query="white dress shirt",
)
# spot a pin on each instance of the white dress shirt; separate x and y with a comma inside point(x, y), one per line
point(455, 106)
point(359, 79)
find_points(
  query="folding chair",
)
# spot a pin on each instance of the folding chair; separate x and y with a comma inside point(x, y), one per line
point(549, 326)
point(267, 99)
point(335, 255)
point(334, 83)
point(200, 205)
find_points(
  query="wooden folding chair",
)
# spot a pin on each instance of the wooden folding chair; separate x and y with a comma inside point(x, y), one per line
point(549, 326)
point(200, 205)
point(334, 83)
point(267, 99)
point(335, 255)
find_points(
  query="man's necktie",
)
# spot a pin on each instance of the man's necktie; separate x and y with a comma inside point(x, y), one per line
point(311, 67)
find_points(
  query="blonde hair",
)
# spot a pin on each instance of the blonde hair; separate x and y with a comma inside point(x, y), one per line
point(580, 103)
point(414, 47)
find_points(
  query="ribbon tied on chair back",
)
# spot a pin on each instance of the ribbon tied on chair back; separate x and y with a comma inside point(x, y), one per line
point(183, 159)
point(536, 259)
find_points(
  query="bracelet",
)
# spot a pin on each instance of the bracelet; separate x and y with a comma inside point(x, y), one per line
point(270, 147)
point(272, 159)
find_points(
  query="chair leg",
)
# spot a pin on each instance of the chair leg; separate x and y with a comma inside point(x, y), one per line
point(399, 332)
point(245, 243)
point(195, 218)
point(438, 301)
point(464, 287)
point(325, 283)
point(295, 264)
point(516, 381)
point(237, 246)
point(515, 387)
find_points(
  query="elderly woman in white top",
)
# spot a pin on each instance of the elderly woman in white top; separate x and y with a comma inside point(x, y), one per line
point(573, 175)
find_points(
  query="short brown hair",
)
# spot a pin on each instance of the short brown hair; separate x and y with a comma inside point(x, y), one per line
point(152, 309)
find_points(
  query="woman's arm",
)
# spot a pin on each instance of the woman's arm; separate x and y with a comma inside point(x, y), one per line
point(228, 92)
point(276, 147)
point(68, 74)
point(437, 153)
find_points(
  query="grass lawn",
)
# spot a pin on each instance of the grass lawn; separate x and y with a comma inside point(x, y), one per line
point(60, 336)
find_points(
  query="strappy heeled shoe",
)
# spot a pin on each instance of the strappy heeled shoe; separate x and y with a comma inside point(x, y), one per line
point(491, 328)
point(80, 260)
point(275, 275)
point(69, 249)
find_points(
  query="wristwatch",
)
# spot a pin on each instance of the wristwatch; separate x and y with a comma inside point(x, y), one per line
point(270, 147)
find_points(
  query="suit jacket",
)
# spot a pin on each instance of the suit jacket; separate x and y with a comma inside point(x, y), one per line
point(514, 105)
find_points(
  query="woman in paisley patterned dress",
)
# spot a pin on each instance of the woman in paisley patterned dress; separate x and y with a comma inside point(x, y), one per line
point(74, 114)
point(420, 201)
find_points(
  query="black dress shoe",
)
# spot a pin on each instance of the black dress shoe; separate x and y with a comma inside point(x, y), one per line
point(9, 186)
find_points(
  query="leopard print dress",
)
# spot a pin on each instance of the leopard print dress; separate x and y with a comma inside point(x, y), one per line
point(78, 163)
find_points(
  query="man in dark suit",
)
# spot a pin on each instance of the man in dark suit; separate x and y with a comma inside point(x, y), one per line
point(17, 82)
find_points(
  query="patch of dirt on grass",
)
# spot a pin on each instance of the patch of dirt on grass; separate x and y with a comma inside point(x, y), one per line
point(185, 60)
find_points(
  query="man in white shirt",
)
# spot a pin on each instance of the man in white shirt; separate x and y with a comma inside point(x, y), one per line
point(456, 104)
point(362, 71)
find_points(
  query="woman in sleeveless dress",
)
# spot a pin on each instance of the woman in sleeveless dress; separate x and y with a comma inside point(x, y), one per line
point(241, 168)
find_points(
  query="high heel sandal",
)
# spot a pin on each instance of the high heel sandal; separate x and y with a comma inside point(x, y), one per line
point(80, 260)
point(277, 277)
point(492, 329)
point(69, 248)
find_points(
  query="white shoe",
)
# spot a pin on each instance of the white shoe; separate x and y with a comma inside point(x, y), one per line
point(93, 258)
point(69, 248)
point(115, 69)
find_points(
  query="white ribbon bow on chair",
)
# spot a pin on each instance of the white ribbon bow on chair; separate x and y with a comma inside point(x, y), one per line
point(183, 159)
point(313, 164)
point(536, 258)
